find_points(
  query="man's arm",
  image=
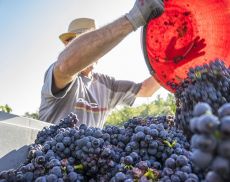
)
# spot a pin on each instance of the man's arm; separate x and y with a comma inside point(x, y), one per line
point(148, 87)
point(87, 49)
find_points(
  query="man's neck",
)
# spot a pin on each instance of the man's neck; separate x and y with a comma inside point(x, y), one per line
point(88, 75)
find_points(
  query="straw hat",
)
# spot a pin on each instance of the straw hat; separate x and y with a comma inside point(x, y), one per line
point(77, 27)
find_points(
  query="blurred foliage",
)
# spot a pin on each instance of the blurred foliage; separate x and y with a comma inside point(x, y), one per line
point(5, 108)
point(33, 115)
point(157, 107)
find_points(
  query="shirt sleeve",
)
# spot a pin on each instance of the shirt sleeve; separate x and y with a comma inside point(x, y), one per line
point(47, 86)
point(123, 92)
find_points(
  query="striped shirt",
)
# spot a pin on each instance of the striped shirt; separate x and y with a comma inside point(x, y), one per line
point(92, 99)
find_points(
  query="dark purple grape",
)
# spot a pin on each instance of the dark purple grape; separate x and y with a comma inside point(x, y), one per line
point(201, 159)
point(213, 177)
point(224, 110)
point(56, 171)
point(41, 179)
point(171, 163)
point(221, 166)
point(51, 178)
point(225, 125)
point(120, 177)
point(224, 149)
point(201, 108)
point(207, 123)
point(206, 143)
point(181, 161)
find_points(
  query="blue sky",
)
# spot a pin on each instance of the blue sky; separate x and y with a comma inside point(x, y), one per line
point(29, 44)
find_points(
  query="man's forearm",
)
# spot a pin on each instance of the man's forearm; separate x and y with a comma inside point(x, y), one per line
point(148, 88)
point(91, 46)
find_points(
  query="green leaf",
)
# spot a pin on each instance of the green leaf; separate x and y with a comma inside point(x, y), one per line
point(174, 143)
point(79, 167)
point(150, 174)
point(169, 144)
point(198, 74)
point(64, 170)
point(128, 167)
point(217, 135)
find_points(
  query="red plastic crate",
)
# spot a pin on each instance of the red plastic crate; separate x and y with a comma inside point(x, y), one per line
point(189, 33)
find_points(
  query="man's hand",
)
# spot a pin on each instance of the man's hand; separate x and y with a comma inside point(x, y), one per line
point(142, 10)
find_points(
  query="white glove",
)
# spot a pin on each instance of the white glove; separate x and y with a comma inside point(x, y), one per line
point(142, 10)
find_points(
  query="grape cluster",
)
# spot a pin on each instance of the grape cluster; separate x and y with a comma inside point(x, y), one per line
point(208, 83)
point(146, 148)
point(49, 132)
point(178, 168)
point(211, 142)
point(136, 152)
point(167, 121)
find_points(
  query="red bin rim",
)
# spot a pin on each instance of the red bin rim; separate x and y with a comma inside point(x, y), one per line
point(216, 45)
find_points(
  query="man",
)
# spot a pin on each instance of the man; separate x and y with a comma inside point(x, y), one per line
point(71, 86)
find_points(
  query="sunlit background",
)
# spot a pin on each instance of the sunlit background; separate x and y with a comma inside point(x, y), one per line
point(29, 33)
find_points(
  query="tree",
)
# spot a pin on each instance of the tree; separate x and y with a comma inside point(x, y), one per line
point(5, 108)
point(31, 115)
point(171, 102)
point(119, 116)
point(155, 108)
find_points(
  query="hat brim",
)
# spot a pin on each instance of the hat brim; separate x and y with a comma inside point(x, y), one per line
point(188, 34)
point(67, 36)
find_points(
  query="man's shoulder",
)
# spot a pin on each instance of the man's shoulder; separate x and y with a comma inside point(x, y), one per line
point(102, 76)
point(104, 79)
